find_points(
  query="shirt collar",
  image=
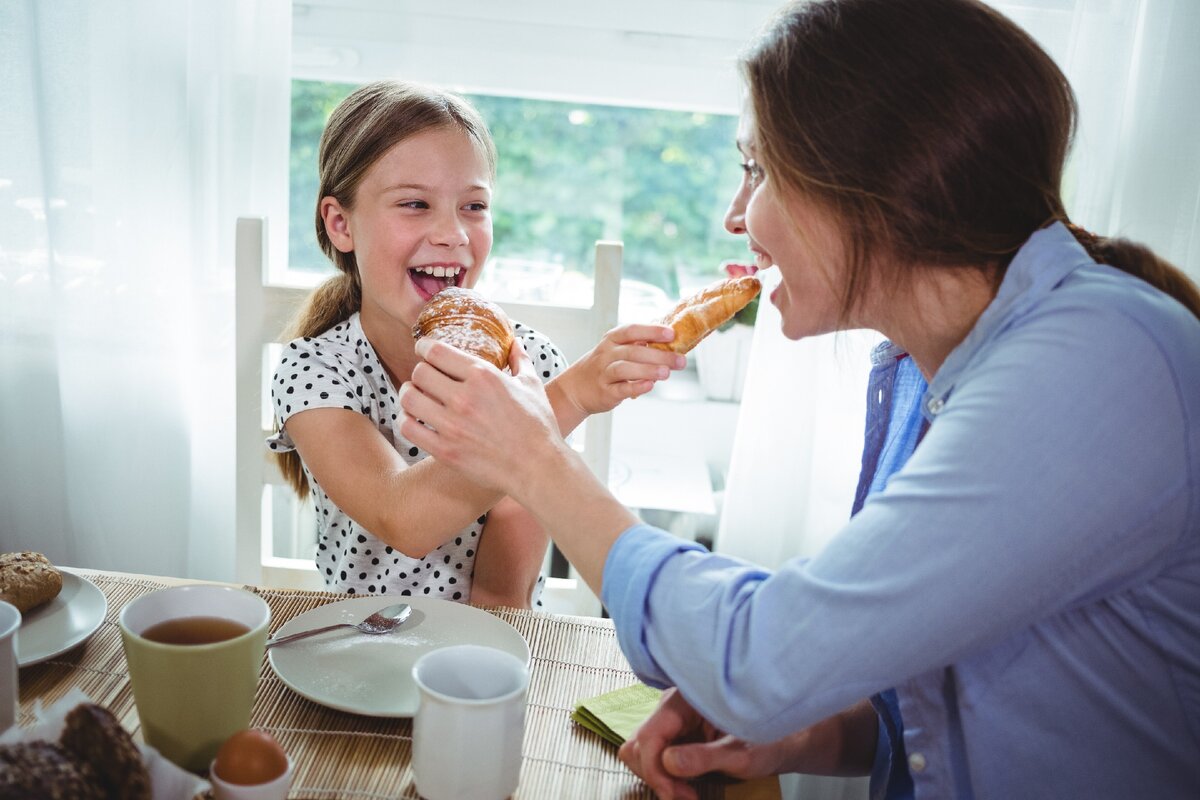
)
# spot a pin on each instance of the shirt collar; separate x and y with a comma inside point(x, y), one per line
point(1042, 263)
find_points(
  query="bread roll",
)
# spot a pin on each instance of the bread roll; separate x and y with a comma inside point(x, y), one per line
point(462, 318)
point(94, 759)
point(27, 580)
point(699, 315)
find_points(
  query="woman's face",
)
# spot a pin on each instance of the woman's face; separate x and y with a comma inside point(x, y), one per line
point(793, 234)
point(421, 221)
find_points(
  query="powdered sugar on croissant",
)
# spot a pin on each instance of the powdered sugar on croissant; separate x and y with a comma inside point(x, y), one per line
point(699, 315)
point(463, 318)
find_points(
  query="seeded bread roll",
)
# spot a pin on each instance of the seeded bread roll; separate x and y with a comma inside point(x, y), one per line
point(27, 580)
point(699, 315)
point(462, 318)
point(94, 758)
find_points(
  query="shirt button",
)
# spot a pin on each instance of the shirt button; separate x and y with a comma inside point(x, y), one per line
point(936, 405)
point(916, 762)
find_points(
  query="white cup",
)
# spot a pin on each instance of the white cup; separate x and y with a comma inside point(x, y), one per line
point(10, 620)
point(470, 723)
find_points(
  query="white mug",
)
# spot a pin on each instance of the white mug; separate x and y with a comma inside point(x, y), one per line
point(470, 723)
point(10, 620)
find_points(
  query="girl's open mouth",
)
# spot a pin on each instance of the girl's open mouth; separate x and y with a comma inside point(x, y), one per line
point(432, 278)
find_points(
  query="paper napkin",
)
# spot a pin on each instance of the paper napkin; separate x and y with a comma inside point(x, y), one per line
point(616, 715)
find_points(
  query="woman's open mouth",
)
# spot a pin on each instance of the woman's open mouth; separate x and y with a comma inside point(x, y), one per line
point(432, 278)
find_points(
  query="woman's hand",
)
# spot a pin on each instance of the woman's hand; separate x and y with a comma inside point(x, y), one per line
point(676, 744)
point(494, 428)
point(618, 368)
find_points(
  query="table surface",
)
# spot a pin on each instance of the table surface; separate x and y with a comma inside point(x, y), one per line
point(339, 754)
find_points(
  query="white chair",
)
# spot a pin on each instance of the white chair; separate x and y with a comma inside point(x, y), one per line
point(263, 311)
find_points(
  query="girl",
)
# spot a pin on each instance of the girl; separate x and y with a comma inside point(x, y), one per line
point(406, 179)
point(1014, 610)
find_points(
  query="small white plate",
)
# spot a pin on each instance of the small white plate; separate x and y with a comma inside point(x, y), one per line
point(372, 675)
point(67, 621)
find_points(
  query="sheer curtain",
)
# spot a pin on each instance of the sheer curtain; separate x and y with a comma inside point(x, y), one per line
point(134, 134)
point(1135, 172)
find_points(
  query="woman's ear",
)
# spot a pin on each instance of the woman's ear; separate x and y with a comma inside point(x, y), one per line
point(337, 224)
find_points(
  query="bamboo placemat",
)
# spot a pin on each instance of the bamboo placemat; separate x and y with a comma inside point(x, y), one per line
point(342, 755)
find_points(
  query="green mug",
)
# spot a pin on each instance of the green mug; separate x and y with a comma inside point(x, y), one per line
point(191, 697)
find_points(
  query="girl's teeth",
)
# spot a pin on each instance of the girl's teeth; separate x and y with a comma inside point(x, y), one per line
point(440, 272)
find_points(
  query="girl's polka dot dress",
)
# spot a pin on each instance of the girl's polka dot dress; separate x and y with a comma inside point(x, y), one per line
point(339, 369)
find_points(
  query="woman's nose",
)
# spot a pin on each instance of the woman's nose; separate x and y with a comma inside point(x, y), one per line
point(735, 215)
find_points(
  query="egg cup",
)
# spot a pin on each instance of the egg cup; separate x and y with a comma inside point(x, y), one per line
point(276, 789)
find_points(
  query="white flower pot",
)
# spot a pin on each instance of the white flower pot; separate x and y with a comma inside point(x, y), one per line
point(721, 361)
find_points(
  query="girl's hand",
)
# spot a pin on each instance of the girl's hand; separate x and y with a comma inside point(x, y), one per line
point(618, 368)
point(496, 429)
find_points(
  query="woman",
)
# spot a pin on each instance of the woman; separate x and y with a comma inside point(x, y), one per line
point(1014, 611)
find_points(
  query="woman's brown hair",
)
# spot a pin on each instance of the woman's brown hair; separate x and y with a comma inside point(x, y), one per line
point(363, 127)
point(935, 130)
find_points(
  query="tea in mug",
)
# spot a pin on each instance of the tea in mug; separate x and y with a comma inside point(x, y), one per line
point(194, 630)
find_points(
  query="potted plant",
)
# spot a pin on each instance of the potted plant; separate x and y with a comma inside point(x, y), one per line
point(722, 358)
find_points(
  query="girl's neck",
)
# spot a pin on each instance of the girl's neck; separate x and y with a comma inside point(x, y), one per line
point(394, 345)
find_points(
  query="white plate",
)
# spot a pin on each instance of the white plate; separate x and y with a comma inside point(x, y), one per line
point(67, 621)
point(372, 675)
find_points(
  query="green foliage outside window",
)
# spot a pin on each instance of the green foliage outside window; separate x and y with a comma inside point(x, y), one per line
point(570, 174)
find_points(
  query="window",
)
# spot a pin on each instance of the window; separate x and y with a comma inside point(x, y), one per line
point(569, 174)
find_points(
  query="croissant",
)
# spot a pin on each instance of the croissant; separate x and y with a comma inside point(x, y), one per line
point(462, 318)
point(699, 315)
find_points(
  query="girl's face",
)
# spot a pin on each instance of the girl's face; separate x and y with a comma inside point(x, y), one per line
point(793, 234)
point(421, 221)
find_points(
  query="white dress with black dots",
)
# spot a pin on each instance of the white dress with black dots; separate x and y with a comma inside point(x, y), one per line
point(339, 369)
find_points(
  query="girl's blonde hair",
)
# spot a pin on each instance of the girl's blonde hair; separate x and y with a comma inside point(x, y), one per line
point(363, 127)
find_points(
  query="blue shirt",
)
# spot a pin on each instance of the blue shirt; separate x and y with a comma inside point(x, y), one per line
point(1028, 582)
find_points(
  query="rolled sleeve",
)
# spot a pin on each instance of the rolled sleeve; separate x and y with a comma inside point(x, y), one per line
point(630, 571)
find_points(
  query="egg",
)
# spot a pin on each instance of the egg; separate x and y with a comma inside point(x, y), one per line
point(250, 757)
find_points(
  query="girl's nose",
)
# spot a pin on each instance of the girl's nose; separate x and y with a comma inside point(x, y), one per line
point(448, 231)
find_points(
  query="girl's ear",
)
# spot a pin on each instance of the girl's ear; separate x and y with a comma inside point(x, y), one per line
point(337, 224)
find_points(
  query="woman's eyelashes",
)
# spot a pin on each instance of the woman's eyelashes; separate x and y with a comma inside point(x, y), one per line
point(753, 172)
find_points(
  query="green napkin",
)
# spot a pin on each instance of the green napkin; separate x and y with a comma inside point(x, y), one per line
point(616, 715)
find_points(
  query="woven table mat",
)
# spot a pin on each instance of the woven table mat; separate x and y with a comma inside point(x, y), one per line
point(343, 755)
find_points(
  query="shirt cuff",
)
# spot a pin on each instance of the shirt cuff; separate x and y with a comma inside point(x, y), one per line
point(633, 564)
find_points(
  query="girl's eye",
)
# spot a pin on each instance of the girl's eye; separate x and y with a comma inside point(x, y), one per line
point(754, 173)
point(414, 204)
point(476, 206)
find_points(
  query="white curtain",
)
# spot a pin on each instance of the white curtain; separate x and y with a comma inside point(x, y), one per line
point(1135, 172)
point(134, 133)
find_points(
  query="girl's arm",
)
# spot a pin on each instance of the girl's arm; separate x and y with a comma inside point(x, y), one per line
point(618, 368)
point(416, 508)
point(512, 550)
point(413, 508)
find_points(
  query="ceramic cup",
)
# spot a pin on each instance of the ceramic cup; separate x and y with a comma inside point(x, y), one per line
point(192, 697)
point(10, 620)
point(470, 723)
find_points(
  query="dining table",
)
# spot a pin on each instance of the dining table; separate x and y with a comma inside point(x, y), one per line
point(338, 754)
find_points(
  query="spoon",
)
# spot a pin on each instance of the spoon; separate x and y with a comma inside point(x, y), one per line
point(384, 620)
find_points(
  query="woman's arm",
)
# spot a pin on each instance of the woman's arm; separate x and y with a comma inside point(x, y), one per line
point(511, 552)
point(966, 545)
